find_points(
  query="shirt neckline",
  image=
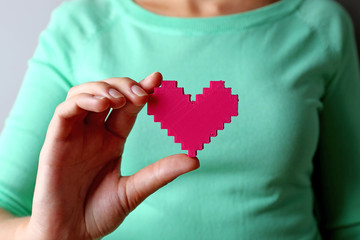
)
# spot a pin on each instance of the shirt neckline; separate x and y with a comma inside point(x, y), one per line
point(244, 20)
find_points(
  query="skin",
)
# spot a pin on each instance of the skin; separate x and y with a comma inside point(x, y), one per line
point(79, 184)
point(201, 8)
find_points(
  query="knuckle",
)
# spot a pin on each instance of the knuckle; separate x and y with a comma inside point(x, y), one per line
point(77, 89)
point(88, 87)
point(122, 80)
point(72, 91)
point(101, 84)
point(59, 109)
point(94, 86)
point(127, 79)
point(158, 176)
point(129, 196)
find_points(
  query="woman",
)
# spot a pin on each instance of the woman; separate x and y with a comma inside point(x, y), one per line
point(285, 168)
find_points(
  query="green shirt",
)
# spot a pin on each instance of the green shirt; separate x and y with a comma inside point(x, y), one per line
point(288, 167)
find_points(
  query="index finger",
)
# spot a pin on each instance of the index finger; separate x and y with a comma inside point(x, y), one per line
point(151, 81)
point(120, 121)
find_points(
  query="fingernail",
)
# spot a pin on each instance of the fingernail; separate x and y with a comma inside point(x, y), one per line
point(138, 91)
point(99, 97)
point(114, 93)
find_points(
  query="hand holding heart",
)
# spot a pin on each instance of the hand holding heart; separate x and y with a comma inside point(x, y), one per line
point(80, 192)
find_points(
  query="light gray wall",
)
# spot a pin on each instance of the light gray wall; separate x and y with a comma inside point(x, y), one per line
point(21, 22)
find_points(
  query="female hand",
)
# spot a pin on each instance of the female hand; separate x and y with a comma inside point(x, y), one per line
point(80, 193)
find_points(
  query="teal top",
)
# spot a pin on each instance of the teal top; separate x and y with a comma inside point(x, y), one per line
point(288, 167)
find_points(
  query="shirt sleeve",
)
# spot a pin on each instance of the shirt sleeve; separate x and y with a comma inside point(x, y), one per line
point(337, 163)
point(46, 83)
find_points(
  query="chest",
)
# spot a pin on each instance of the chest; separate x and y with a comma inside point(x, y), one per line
point(278, 83)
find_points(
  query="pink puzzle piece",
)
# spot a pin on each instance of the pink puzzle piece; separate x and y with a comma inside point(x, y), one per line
point(192, 123)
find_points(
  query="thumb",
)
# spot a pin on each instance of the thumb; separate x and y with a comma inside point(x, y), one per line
point(149, 179)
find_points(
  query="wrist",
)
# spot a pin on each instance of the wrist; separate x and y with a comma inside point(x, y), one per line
point(22, 230)
point(26, 231)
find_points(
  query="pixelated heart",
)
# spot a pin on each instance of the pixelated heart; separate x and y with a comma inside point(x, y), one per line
point(192, 123)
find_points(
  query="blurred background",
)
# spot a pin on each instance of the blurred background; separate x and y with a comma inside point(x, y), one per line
point(21, 22)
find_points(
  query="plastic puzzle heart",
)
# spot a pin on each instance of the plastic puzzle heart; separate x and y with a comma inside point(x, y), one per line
point(192, 123)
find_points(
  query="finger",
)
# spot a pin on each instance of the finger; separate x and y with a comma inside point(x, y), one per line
point(97, 119)
point(131, 89)
point(121, 121)
point(100, 88)
point(151, 81)
point(135, 188)
point(113, 93)
point(73, 111)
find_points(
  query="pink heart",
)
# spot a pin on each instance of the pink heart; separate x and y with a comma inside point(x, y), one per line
point(192, 123)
